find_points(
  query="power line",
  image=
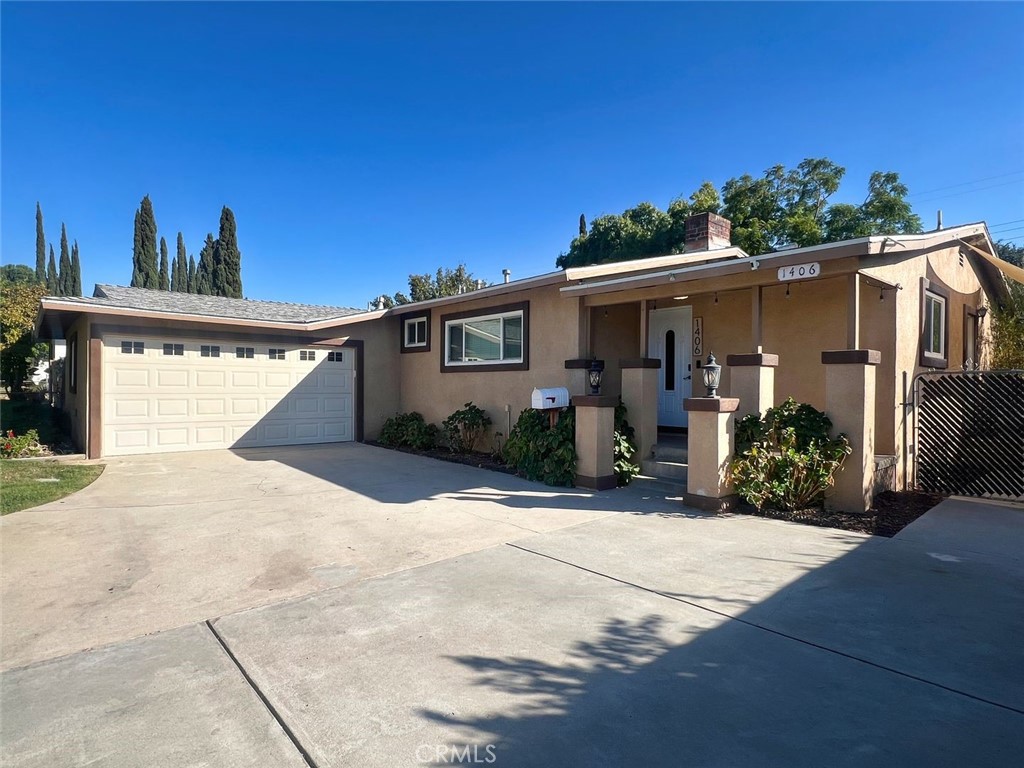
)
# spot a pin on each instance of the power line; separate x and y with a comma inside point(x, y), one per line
point(1003, 231)
point(1001, 223)
point(965, 183)
point(968, 191)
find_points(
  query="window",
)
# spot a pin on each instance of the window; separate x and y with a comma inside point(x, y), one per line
point(416, 332)
point(307, 354)
point(208, 350)
point(935, 326)
point(132, 347)
point(246, 353)
point(971, 322)
point(174, 349)
point(494, 340)
point(335, 357)
point(670, 361)
point(276, 354)
point(414, 329)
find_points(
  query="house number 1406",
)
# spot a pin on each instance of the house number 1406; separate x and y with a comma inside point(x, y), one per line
point(799, 271)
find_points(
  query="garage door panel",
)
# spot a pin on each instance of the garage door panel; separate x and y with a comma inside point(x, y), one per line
point(154, 402)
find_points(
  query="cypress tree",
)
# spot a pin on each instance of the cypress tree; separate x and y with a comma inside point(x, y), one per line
point(76, 271)
point(40, 246)
point(51, 275)
point(145, 273)
point(227, 280)
point(191, 280)
point(165, 284)
point(174, 274)
point(205, 272)
point(64, 278)
point(181, 284)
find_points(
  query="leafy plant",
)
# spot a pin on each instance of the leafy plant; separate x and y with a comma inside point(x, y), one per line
point(541, 452)
point(625, 448)
point(408, 430)
point(786, 460)
point(464, 429)
point(21, 446)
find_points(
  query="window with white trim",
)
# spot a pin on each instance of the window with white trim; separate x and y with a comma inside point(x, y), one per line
point(276, 354)
point(174, 349)
point(935, 330)
point(415, 332)
point(209, 350)
point(335, 357)
point(133, 347)
point(245, 353)
point(484, 339)
point(307, 354)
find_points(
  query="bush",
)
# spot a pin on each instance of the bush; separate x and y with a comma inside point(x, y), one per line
point(625, 448)
point(15, 447)
point(408, 430)
point(786, 460)
point(464, 428)
point(540, 452)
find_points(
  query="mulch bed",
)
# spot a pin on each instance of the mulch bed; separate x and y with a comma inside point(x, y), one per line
point(479, 460)
point(892, 512)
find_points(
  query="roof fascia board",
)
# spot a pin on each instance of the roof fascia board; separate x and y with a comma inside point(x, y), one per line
point(653, 262)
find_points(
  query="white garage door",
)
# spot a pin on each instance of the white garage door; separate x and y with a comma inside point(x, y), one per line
point(173, 394)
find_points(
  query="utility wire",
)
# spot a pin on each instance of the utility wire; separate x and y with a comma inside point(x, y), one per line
point(965, 183)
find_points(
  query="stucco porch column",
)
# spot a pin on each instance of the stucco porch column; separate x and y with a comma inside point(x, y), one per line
point(850, 403)
point(595, 441)
point(752, 381)
point(711, 446)
point(640, 396)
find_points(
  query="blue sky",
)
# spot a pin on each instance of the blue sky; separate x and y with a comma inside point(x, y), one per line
point(358, 143)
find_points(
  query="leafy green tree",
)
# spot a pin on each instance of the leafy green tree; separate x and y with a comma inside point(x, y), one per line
point(145, 273)
point(227, 259)
point(885, 211)
point(181, 264)
point(18, 273)
point(65, 280)
point(444, 282)
point(19, 356)
point(51, 275)
point(76, 271)
point(40, 246)
point(190, 282)
point(1008, 320)
point(165, 280)
point(206, 267)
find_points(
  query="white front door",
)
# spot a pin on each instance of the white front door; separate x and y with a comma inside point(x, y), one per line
point(668, 340)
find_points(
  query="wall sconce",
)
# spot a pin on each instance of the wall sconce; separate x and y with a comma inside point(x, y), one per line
point(982, 311)
point(712, 374)
point(787, 290)
point(594, 374)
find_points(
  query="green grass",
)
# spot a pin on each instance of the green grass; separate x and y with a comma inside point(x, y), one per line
point(21, 416)
point(20, 487)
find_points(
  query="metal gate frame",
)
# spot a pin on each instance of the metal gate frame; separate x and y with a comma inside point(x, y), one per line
point(973, 447)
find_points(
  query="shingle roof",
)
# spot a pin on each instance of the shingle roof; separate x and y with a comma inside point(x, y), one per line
point(212, 306)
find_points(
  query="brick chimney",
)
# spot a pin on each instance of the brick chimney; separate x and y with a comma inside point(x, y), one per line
point(706, 230)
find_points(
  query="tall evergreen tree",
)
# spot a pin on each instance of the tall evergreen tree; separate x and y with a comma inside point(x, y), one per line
point(227, 279)
point(174, 274)
point(40, 246)
point(191, 281)
point(76, 271)
point(51, 275)
point(165, 283)
point(145, 273)
point(180, 261)
point(64, 278)
point(205, 271)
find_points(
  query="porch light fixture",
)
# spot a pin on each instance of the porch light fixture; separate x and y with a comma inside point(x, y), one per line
point(594, 374)
point(982, 311)
point(716, 297)
point(712, 374)
point(787, 290)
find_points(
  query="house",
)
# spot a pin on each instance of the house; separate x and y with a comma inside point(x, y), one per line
point(152, 371)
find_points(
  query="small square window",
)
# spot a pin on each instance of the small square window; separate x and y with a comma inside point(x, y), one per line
point(416, 332)
point(132, 347)
point(246, 353)
point(335, 357)
point(307, 354)
point(174, 349)
point(276, 354)
point(208, 350)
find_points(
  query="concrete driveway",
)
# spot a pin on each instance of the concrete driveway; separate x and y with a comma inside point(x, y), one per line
point(485, 620)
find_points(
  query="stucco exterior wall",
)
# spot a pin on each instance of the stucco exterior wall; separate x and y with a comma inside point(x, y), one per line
point(727, 331)
point(614, 335)
point(553, 338)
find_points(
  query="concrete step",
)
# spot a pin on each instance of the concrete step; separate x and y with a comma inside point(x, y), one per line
point(666, 470)
point(659, 486)
point(671, 452)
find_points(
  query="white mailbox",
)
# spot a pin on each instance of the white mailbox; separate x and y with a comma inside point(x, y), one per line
point(545, 398)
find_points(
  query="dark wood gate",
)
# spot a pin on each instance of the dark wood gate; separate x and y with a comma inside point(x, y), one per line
point(970, 433)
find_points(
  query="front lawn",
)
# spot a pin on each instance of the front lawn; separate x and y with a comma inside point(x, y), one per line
point(26, 484)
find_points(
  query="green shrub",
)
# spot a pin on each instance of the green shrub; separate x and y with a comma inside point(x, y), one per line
point(540, 452)
point(408, 430)
point(464, 428)
point(625, 448)
point(20, 447)
point(786, 460)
